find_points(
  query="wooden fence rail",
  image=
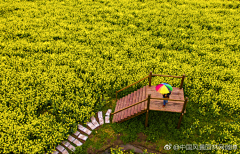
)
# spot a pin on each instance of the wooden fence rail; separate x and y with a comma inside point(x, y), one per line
point(129, 106)
point(168, 99)
point(130, 86)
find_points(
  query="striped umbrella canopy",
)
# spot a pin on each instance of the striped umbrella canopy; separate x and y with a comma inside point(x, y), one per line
point(164, 88)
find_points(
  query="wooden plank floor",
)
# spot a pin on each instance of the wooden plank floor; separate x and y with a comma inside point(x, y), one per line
point(171, 106)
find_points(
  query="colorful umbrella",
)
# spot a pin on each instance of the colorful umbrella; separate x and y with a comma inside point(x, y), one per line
point(164, 88)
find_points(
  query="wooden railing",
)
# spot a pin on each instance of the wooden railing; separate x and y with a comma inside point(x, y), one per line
point(168, 99)
point(150, 78)
point(129, 106)
point(130, 86)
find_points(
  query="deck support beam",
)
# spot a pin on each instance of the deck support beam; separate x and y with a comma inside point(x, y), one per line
point(182, 113)
point(148, 102)
point(180, 120)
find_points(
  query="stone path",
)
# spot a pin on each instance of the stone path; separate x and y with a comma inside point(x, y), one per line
point(80, 136)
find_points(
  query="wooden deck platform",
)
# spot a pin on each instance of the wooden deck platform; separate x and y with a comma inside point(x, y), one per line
point(156, 105)
point(171, 106)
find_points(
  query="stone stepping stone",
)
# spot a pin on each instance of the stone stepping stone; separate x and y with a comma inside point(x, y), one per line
point(107, 119)
point(108, 112)
point(83, 137)
point(100, 117)
point(65, 152)
point(94, 124)
point(60, 148)
point(72, 148)
point(91, 125)
point(66, 143)
point(87, 131)
point(94, 121)
point(101, 121)
point(80, 136)
point(77, 133)
point(70, 138)
point(78, 143)
point(100, 114)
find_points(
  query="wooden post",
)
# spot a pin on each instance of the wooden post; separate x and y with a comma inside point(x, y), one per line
point(185, 104)
point(180, 120)
point(183, 109)
point(182, 81)
point(150, 77)
point(148, 102)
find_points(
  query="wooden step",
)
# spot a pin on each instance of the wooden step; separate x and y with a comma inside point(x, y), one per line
point(119, 107)
point(134, 99)
point(130, 103)
point(129, 110)
point(124, 104)
point(138, 100)
point(116, 109)
point(144, 104)
point(128, 100)
point(141, 105)
point(133, 102)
